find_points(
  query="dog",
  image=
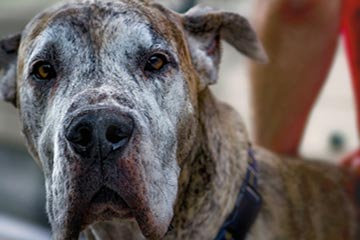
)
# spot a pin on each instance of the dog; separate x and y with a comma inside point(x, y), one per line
point(115, 106)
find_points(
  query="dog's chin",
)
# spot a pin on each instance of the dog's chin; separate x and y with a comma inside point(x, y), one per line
point(107, 205)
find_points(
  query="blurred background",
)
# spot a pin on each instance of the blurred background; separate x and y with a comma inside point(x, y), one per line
point(330, 134)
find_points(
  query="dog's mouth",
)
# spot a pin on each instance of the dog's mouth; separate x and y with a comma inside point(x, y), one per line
point(107, 205)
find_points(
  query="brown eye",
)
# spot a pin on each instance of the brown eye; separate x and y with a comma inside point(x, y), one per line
point(156, 62)
point(44, 71)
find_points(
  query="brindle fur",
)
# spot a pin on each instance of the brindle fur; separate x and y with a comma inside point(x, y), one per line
point(185, 163)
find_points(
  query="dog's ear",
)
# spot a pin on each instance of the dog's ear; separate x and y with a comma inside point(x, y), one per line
point(205, 27)
point(8, 61)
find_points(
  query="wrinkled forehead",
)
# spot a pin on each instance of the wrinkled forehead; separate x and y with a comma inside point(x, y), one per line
point(99, 23)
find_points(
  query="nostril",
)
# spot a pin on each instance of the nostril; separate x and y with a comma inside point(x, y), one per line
point(81, 136)
point(117, 136)
point(98, 132)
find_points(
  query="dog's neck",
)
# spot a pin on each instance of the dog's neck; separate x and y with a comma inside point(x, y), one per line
point(210, 179)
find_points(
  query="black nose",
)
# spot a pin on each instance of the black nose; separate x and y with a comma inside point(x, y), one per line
point(99, 132)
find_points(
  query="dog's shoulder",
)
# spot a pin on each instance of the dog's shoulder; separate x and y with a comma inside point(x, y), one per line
point(303, 194)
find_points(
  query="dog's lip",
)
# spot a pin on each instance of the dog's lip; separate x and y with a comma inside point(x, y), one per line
point(108, 203)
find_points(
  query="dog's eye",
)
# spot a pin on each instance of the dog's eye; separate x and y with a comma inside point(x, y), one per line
point(43, 71)
point(156, 62)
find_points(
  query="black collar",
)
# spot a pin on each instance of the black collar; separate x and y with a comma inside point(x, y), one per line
point(247, 206)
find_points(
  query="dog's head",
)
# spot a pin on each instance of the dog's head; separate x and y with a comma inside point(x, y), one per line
point(107, 93)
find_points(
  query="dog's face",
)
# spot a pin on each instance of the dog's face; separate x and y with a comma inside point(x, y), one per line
point(107, 93)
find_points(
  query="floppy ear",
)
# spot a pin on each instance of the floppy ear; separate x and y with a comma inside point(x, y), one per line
point(8, 61)
point(205, 27)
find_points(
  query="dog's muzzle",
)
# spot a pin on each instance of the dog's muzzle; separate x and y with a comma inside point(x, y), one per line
point(105, 161)
point(99, 132)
